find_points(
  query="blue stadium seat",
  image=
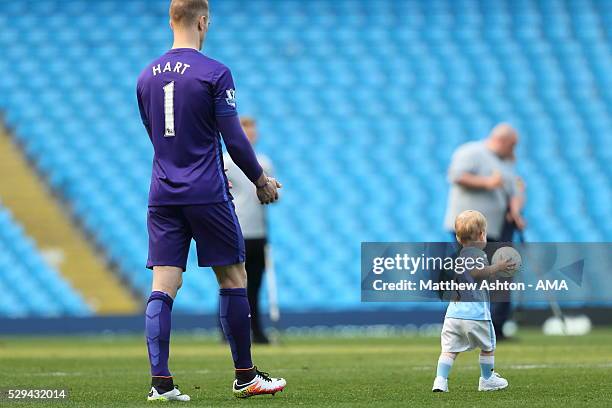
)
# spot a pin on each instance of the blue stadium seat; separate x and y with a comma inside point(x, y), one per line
point(41, 291)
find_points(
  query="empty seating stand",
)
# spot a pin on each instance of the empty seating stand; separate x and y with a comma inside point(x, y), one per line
point(360, 104)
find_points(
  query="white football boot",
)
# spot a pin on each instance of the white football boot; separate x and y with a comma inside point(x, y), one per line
point(261, 384)
point(172, 395)
point(493, 383)
point(440, 384)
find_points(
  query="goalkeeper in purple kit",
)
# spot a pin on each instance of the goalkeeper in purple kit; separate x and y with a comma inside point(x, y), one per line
point(186, 102)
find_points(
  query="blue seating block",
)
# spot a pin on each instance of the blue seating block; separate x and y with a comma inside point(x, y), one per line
point(41, 291)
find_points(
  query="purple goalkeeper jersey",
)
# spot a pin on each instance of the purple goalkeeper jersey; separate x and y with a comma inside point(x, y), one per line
point(180, 96)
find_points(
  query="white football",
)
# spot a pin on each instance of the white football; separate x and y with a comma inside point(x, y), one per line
point(505, 253)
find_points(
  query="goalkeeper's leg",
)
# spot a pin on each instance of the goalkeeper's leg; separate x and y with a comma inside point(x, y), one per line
point(166, 282)
point(235, 316)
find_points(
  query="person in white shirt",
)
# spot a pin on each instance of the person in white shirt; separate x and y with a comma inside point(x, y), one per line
point(483, 177)
point(252, 217)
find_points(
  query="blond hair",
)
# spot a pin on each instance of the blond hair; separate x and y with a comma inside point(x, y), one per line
point(470, 225)
point(247, 121)
point(186, 12)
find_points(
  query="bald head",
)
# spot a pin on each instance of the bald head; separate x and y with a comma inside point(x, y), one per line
point(502, 140)
point(503, 131)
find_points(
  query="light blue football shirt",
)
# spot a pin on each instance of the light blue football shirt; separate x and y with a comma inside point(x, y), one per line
point(475, 304)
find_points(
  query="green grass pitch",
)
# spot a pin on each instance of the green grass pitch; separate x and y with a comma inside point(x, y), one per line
point(112, 371)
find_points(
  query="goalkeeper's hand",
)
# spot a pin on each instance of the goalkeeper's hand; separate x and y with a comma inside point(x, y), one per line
point(267, 189)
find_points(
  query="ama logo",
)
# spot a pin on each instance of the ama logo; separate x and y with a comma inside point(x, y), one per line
point(231, 97)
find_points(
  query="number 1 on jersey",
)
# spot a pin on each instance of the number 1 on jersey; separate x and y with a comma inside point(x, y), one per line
point(169, 109)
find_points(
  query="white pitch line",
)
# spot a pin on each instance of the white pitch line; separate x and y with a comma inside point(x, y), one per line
point(562, 365)
point(54, 374)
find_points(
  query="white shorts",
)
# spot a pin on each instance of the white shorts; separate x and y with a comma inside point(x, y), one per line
point(462, 335)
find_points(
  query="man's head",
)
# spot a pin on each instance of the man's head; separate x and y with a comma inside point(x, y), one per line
point(502, 140)
point(250, 128)
point(471, 228)
point(190, 18)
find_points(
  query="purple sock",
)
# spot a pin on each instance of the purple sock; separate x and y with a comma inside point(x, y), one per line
point(235, 316)
point(157, 329)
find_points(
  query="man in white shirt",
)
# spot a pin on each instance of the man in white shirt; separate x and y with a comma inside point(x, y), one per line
point(483, 178)
point(252, 218)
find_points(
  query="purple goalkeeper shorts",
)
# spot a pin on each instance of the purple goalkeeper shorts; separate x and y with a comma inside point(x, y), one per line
point(214, 227)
